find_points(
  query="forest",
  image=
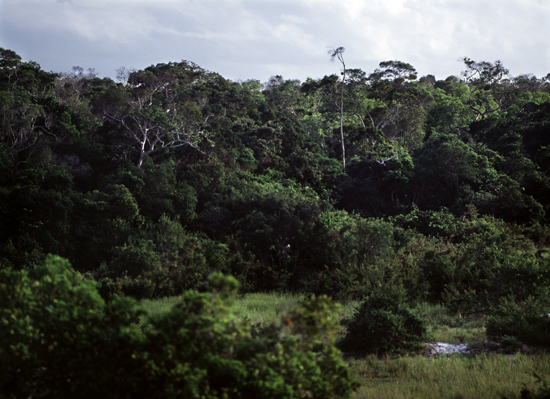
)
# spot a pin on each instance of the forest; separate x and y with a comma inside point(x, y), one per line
point(356, 185)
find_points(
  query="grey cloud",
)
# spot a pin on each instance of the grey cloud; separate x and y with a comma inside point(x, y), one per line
point(257, 39)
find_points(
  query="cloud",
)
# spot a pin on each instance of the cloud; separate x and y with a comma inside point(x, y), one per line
point(252, 39)
point(119, 23)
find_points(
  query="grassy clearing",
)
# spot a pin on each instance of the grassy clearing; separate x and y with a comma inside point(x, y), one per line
point(265, 308)
point(483, 376)
point(257, 308)
point(262, 309)
point(451, 328)
point(457, 376)
point(156, 306)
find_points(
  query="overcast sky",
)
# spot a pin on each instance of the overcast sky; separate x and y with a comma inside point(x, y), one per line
point(256, 39)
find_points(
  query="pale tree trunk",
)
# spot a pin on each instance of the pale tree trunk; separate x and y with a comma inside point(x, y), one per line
point(339, 53)
point(342, 118)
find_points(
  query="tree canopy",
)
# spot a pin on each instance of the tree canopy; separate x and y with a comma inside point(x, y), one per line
point(332, 186)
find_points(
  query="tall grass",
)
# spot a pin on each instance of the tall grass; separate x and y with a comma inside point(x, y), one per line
point(483, 376)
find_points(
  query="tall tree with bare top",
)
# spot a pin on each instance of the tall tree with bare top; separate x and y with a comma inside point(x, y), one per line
point(339, 54)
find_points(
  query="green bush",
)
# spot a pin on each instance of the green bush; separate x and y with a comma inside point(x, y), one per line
point(58, 339)
point(164, 259)
point(492, 262)
point(200, 349)
point(529, 322)
point(384, 324)
point(492, 267)
point(354, 256)
point(541, 392)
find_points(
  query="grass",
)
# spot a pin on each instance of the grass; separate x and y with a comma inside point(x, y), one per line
point(257, 308)
point(483, 376)
point(265, 308)
point(156, 306)
point(452, 328)
point(458, 376)
point(260, 308)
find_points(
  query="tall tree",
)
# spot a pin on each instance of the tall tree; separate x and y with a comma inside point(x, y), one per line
point(399, 101)
point(483, 78)
point(339, 54)
point(162, 110)
point(24, 89)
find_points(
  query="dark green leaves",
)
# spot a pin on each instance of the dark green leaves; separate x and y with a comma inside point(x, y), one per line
point(58, 338)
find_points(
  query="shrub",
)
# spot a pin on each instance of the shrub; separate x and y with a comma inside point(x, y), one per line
point(164, 259)
point(355, 256)
point(58, 339)
point(493, 262)
point(201, 351)
point(384, 324)
point(529, 322)
point(541, 392)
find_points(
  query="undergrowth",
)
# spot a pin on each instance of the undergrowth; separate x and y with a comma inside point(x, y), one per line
point(457, 376)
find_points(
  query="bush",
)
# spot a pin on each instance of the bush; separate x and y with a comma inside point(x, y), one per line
point(202, 351)
point(529, 322)
point(164, 259)
point(493, 262)
point(384, 324)
point(58, 339)
point(542, 391)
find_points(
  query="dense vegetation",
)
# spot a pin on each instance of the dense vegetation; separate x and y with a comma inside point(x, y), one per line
point(345, 186)
point(84, 348)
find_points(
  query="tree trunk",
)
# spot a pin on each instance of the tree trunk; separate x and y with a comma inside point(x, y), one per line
point(342, 117)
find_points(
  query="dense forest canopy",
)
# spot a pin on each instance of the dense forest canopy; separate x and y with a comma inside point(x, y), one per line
point(336, 185)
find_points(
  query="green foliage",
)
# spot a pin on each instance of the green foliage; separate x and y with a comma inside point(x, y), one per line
point(384, 324)
point(223, 359)
point(449, 110)
point(359, 255)
point(481, 261)
point(153, 184)
point(527, 321)
point(444, 166)
point(60, 339)
point(495, 264)
point(378, 185)
point(158, 191)
point(440, 223)
point(274, 221)
point(541, 392)
point(163, 260)
point(103, 221)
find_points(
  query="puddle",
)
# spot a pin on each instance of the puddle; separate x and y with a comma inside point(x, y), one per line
point(442, 348)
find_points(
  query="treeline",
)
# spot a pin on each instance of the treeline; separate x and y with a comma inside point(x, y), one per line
point(150, 184)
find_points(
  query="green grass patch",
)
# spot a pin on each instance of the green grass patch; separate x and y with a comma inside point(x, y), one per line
point(156, 306)
point(449, 327)
point(265, 308)
point(257, 308)
point(483, 376)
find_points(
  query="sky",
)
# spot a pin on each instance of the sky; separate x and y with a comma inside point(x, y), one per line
point(257, 39)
